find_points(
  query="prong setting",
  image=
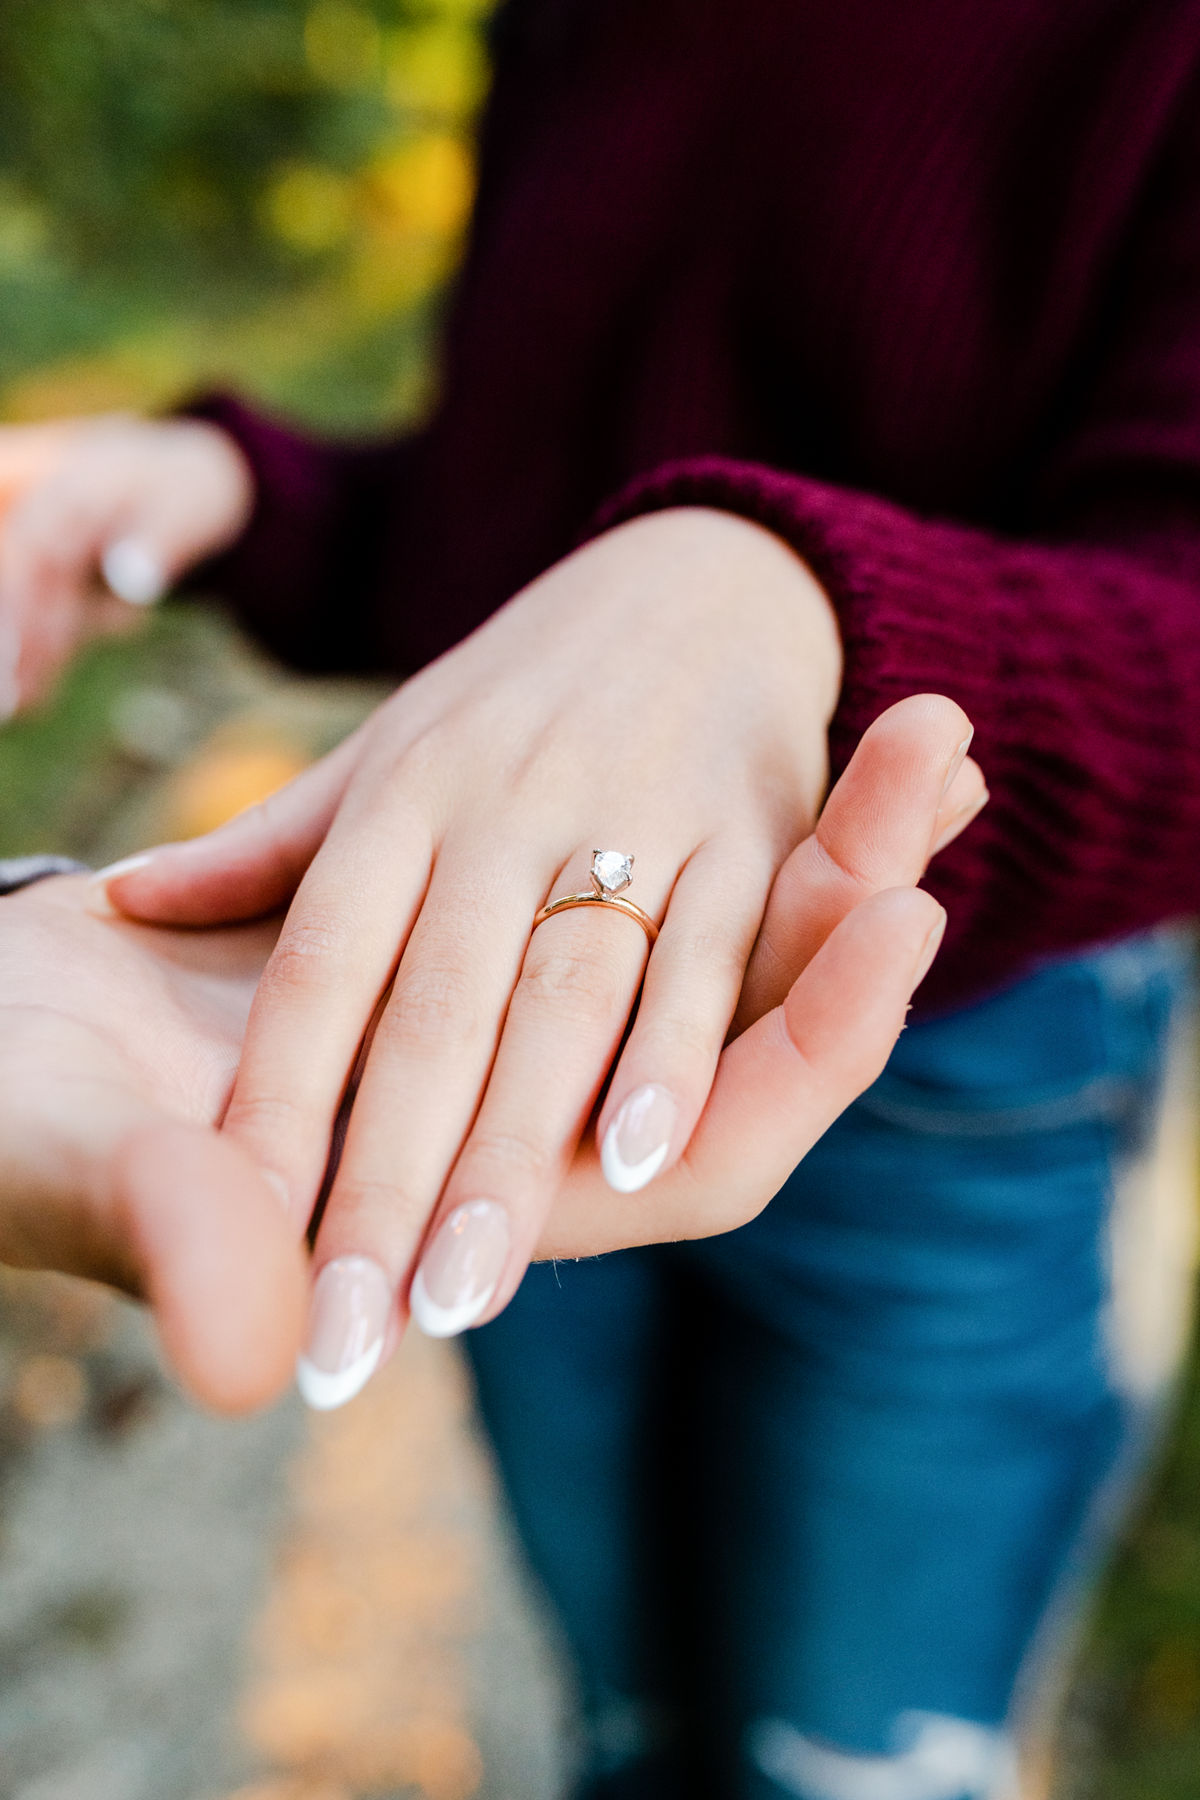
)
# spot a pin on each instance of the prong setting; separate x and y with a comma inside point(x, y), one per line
point(612, 872)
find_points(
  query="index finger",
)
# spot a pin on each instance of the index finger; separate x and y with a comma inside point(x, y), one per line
point(877, 830)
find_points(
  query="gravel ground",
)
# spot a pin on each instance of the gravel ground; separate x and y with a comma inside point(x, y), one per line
point(289, 1608)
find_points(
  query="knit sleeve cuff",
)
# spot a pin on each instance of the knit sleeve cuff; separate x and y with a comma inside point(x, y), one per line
point(875, 560)
point(1077, 660)
point(303, 576)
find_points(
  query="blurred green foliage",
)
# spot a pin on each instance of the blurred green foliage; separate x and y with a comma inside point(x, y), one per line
point(261, 194)
point(265, 192)
point(270, 193)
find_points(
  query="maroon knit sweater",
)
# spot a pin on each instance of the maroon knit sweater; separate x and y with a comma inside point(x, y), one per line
point(918, 287)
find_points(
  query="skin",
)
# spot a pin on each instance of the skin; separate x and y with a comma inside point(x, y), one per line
point(119, 1044)
point(667, 689)
point(71, 489)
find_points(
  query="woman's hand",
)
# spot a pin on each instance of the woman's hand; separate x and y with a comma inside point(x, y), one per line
point(132, 501)
point(666, 691)
point(118, 1046)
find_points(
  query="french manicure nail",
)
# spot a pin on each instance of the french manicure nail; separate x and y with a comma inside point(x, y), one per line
point(133, 572)
point(278, 1186)
point(96, 897)
point(957, 760)
point(958, 822)
point(347, 1323)
point(636, 1143)
point(461, 1269)
point(932, 943)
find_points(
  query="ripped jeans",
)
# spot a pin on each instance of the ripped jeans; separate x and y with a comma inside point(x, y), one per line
point(817, 1500)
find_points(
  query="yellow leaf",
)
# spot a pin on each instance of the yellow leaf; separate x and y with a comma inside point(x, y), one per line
point(225, 782)
point(427, 186)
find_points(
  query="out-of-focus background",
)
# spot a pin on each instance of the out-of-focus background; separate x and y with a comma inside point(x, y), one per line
point(269, 196)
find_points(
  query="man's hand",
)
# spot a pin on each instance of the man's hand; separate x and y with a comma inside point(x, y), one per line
point(118, 1047)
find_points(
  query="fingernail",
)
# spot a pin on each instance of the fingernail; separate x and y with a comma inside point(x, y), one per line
point(95, 896)
point(461, 1269)
point(956, 761)
point(636, 1143)
point(929, 952)
point(347, 1322)
point(133, 572)
point(276, 1182)
point(958, 821)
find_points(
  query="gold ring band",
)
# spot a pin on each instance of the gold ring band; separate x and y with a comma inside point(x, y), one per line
point(612, 873)
point(613, 902)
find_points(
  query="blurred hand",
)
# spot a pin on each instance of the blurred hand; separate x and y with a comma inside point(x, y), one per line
point(101, 516)
point(118, 1046)
point(666, 690)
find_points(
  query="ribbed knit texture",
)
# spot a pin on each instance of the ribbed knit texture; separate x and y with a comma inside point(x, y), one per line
point(919, 289)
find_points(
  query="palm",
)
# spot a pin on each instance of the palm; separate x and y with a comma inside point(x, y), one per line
point(118, 1047)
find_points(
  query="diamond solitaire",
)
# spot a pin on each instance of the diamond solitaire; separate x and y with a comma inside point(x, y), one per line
point(611, 872)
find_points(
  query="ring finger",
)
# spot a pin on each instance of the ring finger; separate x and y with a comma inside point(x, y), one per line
point(575, 983)
point(566, 1022)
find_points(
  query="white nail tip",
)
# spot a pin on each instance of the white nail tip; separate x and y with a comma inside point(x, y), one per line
point(126, 866)
point(133, 572)
point(323, 1391)
point(96, 898)
point(625, 1177)
point(445, 1321)
point(275, 1181)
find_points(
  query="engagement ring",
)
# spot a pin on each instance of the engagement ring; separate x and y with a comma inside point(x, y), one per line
point(611, 873)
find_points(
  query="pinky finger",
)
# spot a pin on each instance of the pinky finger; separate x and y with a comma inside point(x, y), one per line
point(779, 1087)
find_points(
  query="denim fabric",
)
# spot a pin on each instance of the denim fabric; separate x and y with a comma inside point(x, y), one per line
point(803, 1493)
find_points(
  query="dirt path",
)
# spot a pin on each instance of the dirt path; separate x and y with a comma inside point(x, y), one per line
point(292, 1608)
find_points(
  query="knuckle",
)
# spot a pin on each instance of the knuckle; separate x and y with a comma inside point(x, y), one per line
point(312, 954)
point(268, 824)
point(434, 1005)
point(366, 1206)
point(713, 951)
point(676, 1038)
point(268, 1117)
point(505, 1157)
point(835, 870)
point(585, 985)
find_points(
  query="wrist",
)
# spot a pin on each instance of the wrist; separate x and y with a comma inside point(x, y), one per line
point(717, 559)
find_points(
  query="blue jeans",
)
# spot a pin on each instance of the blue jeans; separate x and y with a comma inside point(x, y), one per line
point(804, 1494)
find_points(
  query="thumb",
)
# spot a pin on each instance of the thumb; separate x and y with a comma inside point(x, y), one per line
point(217, 1260)
point(150, 528)
point(162, 495)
